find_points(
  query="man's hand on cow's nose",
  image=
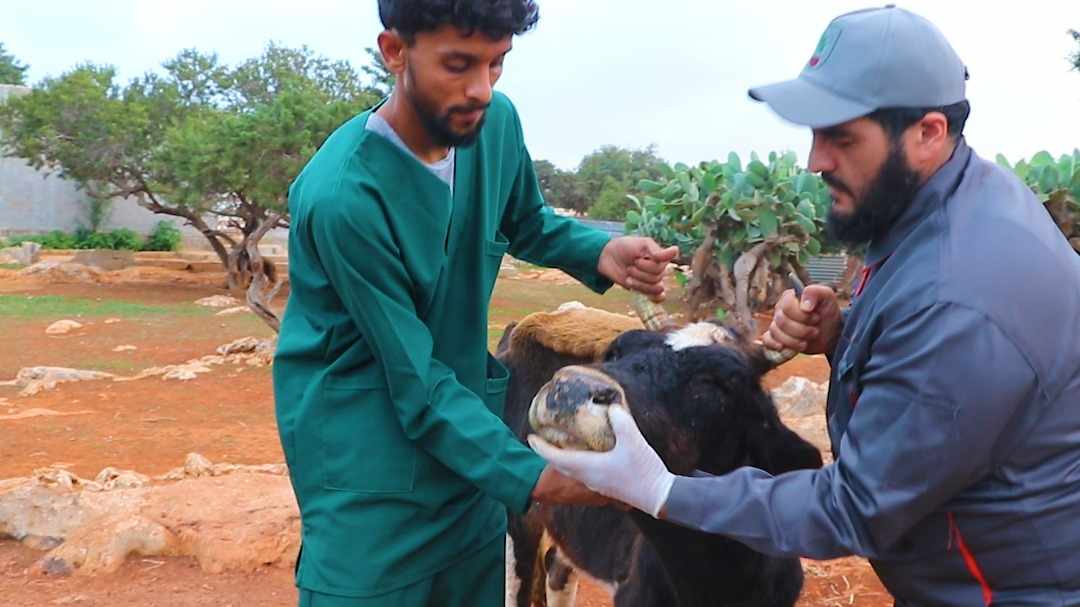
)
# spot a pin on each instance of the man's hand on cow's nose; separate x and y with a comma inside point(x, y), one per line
point(638, 264)
point(810, 325)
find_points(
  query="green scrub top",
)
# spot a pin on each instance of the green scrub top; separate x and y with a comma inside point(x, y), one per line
point(388, 404)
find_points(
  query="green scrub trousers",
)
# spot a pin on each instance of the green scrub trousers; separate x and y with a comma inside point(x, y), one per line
point(476, 581)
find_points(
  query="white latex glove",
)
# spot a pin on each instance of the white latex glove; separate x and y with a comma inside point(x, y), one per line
point(631, 472)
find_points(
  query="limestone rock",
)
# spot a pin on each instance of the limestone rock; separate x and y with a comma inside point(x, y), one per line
point(800, 397)
point(218, 301)
point(57, 271)
point(63, 327)
point(197, 466)
point(228, 517)
point(37, 379)
point(26, 254)
point(112, 478)
point(801, 404)
point(244, 345)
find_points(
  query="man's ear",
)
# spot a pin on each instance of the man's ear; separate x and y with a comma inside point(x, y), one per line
point(926, 141)
point(934, 129)
point(393, 48)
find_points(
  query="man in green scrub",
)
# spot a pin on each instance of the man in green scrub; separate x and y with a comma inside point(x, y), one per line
point(388, 403)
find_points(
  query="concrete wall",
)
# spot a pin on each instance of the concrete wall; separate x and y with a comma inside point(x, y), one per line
point(32, 202)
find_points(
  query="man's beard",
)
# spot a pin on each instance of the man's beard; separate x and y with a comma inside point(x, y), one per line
point(438, 126)
point(886, 198)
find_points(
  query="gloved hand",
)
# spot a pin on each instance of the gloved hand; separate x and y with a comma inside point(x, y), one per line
point(631, 472)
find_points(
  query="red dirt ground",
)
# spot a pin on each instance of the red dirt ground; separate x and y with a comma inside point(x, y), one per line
point(227, 415)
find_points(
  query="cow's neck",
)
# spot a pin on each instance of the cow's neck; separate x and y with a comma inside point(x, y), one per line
point(691, 559)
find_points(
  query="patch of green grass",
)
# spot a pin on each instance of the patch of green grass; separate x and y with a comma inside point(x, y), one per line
point(31, 306)
point(11, 266)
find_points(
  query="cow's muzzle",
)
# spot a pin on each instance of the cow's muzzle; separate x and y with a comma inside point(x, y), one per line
point(570, 411)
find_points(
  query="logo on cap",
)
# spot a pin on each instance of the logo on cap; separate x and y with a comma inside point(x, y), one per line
point(825, 46)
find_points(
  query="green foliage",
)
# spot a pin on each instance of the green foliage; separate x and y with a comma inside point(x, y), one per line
point(1047, 176)
point(1057, 184)
point(200, 139)
point(560, 188)
point(602, 180)
point(745, 205)
point(165, 237)
point(613, 203)
point(53, 240)
point(11, 71)
point(85, 239)
point(238, 159)
point(124, 240)
point(98, 211)
point(80, 125)
point(623, 167)
point(739, 227)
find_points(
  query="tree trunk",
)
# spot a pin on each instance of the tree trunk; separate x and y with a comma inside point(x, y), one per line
point(701, 292)
point(265, 282)
point(148, 202)
point(238, 265)
point(751, 274)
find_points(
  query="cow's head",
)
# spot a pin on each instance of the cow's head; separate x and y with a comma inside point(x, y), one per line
point(695, 394)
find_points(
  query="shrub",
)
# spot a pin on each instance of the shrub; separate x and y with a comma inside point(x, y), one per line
point(165, 237)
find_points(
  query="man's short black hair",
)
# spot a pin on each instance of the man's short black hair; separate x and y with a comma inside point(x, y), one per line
point(494, 18)
point(896, 120)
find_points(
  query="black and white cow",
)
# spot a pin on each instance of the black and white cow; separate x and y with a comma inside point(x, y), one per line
point(696, 395)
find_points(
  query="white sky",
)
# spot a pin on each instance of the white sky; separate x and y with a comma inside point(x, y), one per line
point(627, 72)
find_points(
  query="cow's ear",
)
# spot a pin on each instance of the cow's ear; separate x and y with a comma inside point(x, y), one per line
point(776, 449)
point(504, 341)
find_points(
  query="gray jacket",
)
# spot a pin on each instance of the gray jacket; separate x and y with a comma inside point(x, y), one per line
point(953, 410)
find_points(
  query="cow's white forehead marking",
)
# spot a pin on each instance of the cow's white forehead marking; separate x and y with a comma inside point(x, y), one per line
point(699, 334)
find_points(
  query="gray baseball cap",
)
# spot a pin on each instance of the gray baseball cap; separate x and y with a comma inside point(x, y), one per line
point(867, 60)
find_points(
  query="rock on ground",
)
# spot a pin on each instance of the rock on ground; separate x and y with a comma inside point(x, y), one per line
point(37, 379)
point(26, 254)
point(63, 327)
point(218, 301)
point(228, 517)
point(801, 404)
point(63, 271)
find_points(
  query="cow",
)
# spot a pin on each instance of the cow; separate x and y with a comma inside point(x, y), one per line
point(696, 395)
